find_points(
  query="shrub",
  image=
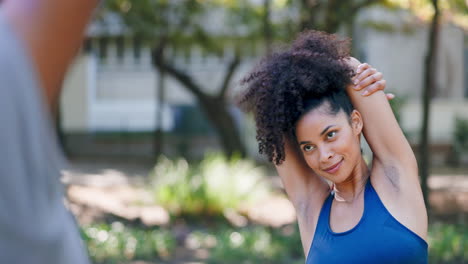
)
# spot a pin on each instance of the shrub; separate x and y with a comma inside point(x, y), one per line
point(448, 243)
point(460, 141)
point(257, 244)
point(208, 188)
point(115, 243)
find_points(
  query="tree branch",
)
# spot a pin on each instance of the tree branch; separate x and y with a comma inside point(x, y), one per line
point(309, 14)
point(364, 4)
point(185, 79)
point(227, 78)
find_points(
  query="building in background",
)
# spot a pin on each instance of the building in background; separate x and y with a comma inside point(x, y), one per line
point(112, 86)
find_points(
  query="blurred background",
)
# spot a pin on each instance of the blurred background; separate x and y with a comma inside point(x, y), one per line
point(165, 169)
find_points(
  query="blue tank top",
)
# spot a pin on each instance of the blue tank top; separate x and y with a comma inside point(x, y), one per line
point(377, 238)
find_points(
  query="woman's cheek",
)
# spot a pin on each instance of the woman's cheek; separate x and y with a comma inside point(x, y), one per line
point(343, 143)
point(311, 161)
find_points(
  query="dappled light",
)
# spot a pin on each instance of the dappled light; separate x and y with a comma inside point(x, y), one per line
point(234, 131)
point(112, 215)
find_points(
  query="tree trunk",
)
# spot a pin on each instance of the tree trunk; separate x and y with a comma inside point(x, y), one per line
point(215, 108)
point(217, 111)
point(428, 90)
point(158, 135)
point(267, 31)
point(350, 33)
point(329, 15)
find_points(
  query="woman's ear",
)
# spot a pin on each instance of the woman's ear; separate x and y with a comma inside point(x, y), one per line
point(356, 122)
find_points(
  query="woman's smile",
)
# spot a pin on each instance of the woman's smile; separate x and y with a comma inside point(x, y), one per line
point(333, 168)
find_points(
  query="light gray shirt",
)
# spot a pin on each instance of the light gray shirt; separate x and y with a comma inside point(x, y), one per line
point(35, 227)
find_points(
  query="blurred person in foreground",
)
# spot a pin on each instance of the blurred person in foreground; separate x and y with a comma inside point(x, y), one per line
point(38, 40)
point(311, 104)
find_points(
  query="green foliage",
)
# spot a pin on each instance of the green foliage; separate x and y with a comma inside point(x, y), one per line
point(380, 26)
point(184, 24)
point(208, 188)
point(461, 134)
point(397, 104)
point(258, 245)
point(115, 243)
point(448, 243)
point(454, 10)
point(385, 27)
point(460, 141)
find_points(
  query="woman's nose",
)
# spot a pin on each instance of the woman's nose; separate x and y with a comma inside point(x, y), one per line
point(325, 155)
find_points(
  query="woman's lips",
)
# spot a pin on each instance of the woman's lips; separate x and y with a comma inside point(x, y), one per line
point(334, 168)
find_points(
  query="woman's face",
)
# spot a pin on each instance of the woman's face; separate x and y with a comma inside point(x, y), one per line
point(330, 143)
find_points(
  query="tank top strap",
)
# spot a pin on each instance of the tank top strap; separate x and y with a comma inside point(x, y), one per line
point(322, 223)
point(324, 217)
point(369, 191)
point(372, 199)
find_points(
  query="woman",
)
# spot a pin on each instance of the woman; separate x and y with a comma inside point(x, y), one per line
point(310, 108)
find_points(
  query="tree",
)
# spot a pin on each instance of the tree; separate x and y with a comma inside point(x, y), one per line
point(215, 107)
point(434, 11)
point(162, 24)
point(329, 15)
point(267, 28)
point(427, 91)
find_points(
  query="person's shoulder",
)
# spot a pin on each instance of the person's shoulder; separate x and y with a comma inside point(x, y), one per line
point(7, 33)
point(16, 66)
point(13, 54)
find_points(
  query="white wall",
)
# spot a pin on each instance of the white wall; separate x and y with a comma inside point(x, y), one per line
point(75, 101)
point(442, 122)
point(400, 54)
point(100, 99)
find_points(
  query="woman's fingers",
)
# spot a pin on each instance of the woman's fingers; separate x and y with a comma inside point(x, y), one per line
point(362, 71)
point(362, 67)
point(379, 85)
point(369, 80)
point(372, 76)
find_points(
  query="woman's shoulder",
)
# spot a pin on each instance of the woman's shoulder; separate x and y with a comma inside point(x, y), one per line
point(400, 192)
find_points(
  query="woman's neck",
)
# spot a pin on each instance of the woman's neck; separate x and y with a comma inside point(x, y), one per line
point(352, 188)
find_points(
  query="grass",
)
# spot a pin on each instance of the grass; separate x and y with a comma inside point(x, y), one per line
point(448, 243)
point(116, 243)
point(199, 194)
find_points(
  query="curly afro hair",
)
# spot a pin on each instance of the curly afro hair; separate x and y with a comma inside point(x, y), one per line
point(287, 84)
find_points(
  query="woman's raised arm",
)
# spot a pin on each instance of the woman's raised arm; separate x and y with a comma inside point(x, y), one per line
point(381, 130)
point(394, 172)
point(305, 189)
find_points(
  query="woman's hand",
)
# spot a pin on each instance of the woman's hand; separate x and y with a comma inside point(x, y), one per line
point(368, 79)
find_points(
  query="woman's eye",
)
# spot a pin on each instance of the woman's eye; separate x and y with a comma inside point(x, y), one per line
point(308, 148)
point(331, 134)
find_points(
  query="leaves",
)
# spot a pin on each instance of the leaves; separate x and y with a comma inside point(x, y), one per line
point(211, 187)
point(187, 22)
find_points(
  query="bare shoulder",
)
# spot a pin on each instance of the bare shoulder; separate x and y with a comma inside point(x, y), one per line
point(399, 189)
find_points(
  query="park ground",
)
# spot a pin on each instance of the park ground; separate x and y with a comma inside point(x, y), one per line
point(112, 191)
